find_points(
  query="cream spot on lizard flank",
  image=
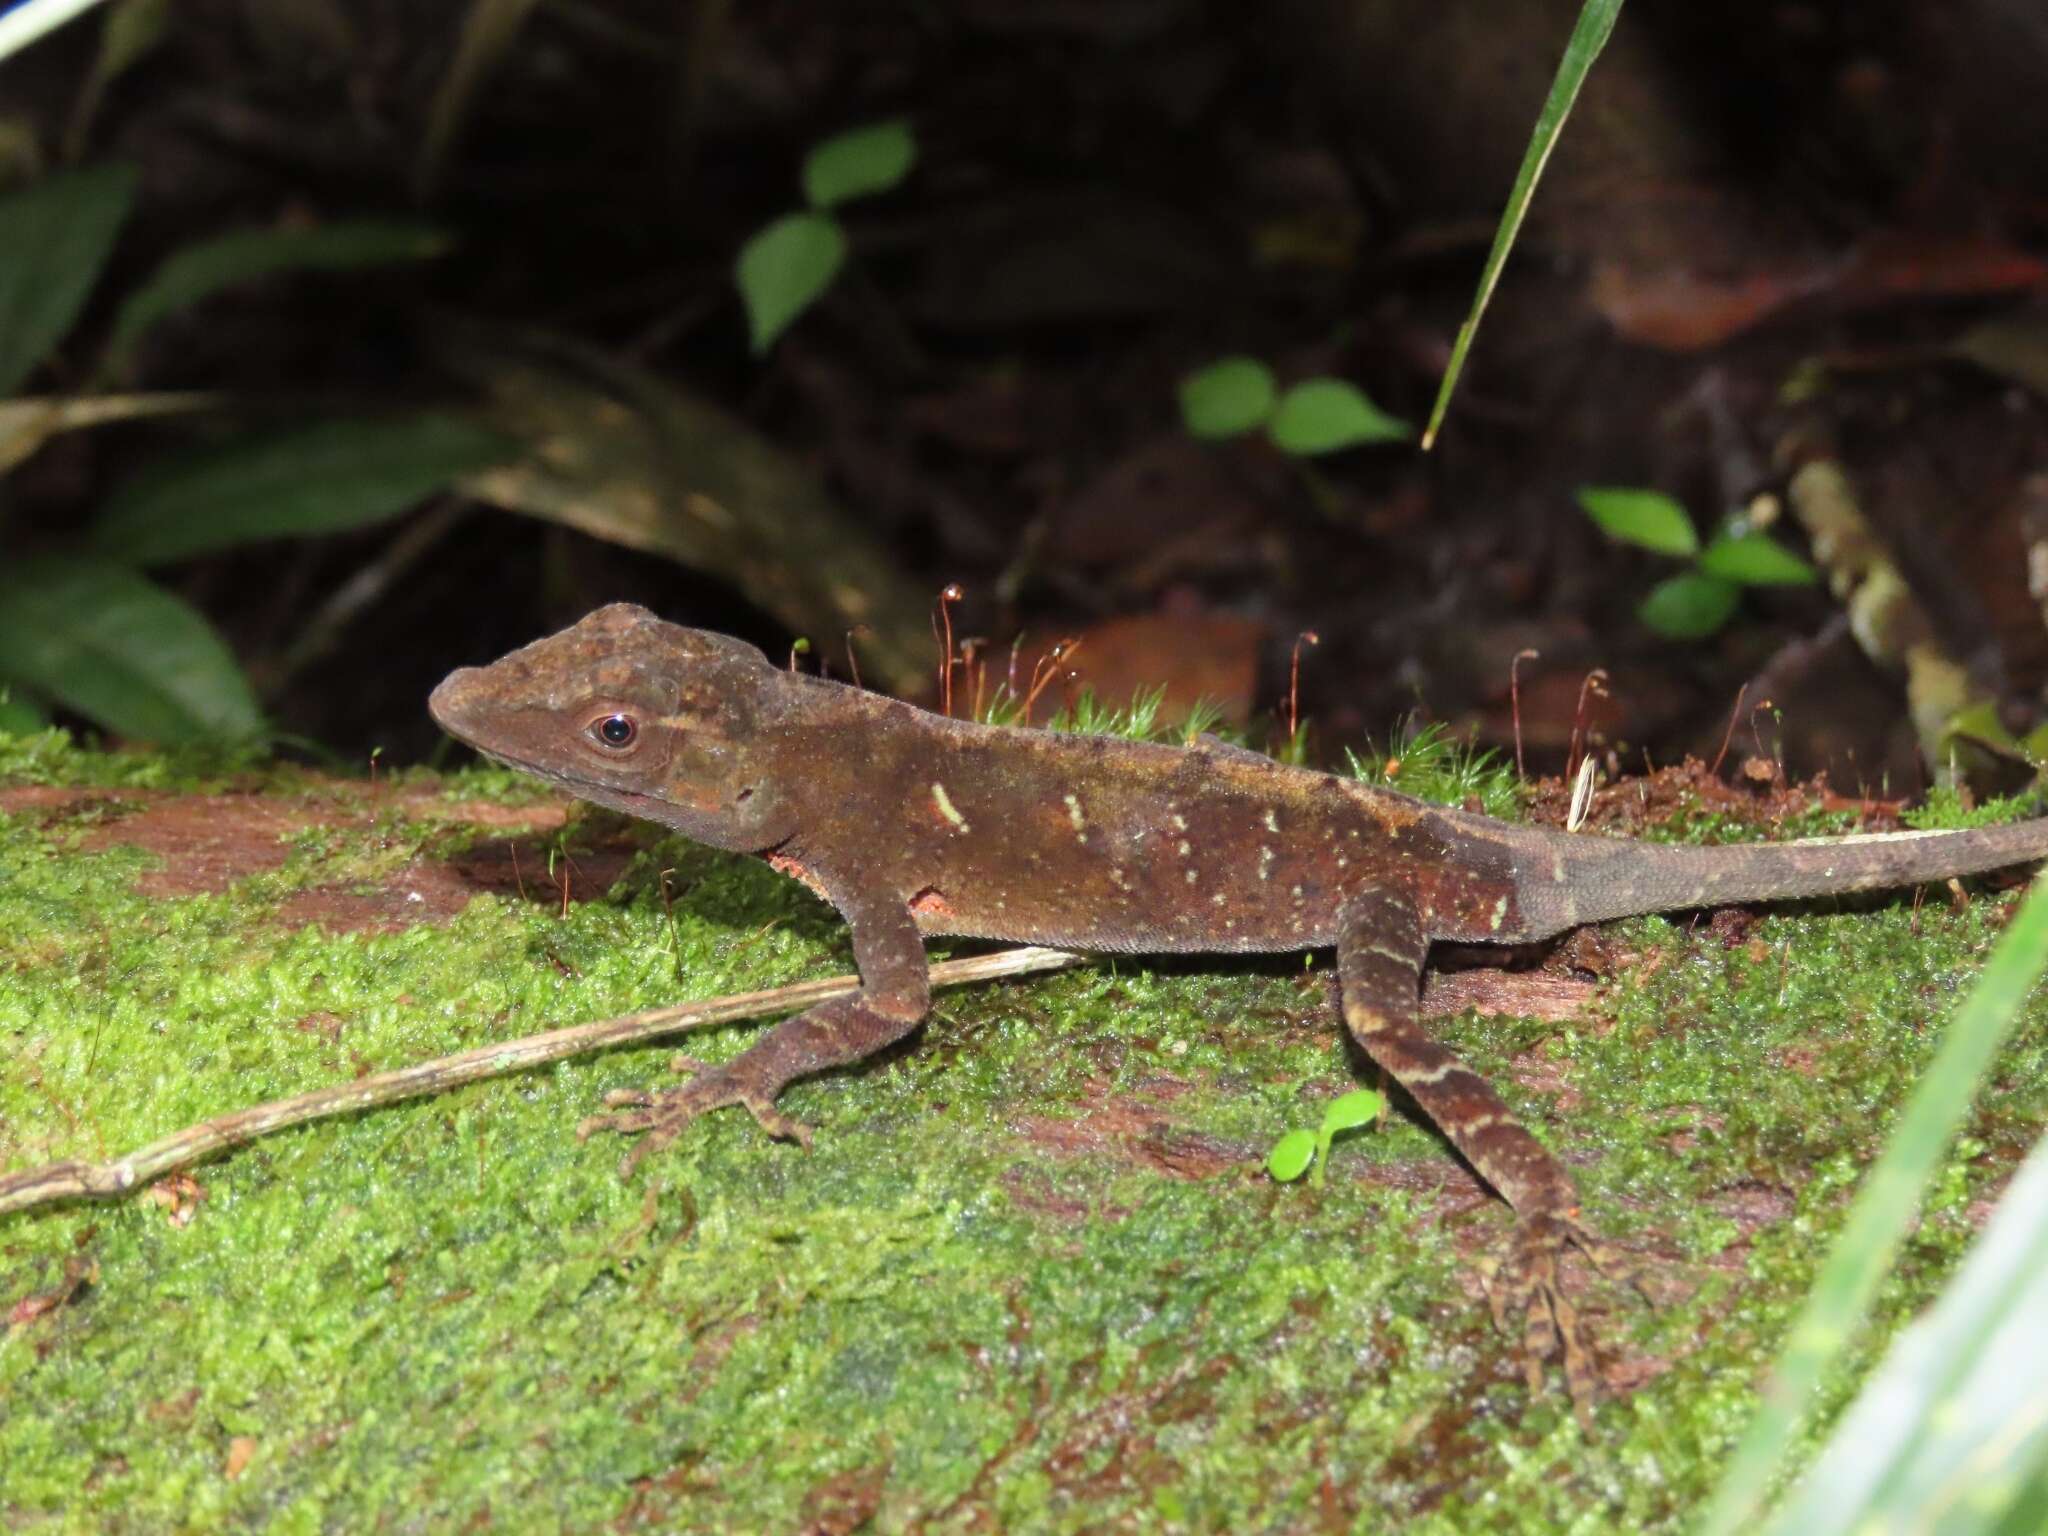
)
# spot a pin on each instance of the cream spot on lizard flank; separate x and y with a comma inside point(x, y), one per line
point(1180, 823)
point(946, 807)
point(1191, 877)
point(1266, 863)
point(1272, 819)
point(1500, 912)
point(1184, 846)
point(1080, 821)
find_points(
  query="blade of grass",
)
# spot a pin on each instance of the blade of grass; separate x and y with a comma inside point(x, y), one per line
point(489, 28)
point(1884, 1208)
point(1952, 1429)
point(1589, 36)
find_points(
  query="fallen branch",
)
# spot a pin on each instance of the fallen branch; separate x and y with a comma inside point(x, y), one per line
point(70, 1180)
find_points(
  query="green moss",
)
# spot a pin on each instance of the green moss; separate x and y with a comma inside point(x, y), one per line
point(1427, 761)
point(1032, 1276)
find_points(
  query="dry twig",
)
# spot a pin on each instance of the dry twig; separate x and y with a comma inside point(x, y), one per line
point(74, 1180)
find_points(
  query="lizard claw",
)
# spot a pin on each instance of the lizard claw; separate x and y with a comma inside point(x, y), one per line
point(1530, 1283)
point(663, 1116)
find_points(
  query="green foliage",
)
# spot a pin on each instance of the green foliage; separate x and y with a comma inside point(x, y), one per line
point(205, 268)
point(1690, 606)
point(1088, 715)
point(1320, 416)
point(1291, 1156)
point(1589, 36)
point(859, 163)
point(323, 478)
point(1231, 396)
point(1235, 395)
point(99, 638)
point(1842, 1297)
point(55, 235)
point(84, 629)
point(1139, 719)
point(1951, 1434)
point(1430, 763)
point(1646, 518)
point(20, 715)
point(784, 266)
point(1293, 1153)
point(1698, 601)
point(1755, 560)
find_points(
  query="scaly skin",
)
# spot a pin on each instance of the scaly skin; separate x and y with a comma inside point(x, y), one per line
point(911, 824)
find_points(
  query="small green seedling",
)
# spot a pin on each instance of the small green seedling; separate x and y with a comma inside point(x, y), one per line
point(786, 265)
point(1236, 395)
point(1293, 1153)
point(1697, 602)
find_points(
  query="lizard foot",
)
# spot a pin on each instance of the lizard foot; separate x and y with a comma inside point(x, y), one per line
point(1530, 1283)
point(663, 1116)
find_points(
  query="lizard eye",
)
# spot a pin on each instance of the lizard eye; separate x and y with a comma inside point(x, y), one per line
point(615, 731)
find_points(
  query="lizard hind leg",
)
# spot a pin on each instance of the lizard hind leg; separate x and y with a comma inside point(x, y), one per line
point(1380, 954)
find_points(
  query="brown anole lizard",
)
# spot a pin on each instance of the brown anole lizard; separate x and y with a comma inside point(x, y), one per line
point(912, 824)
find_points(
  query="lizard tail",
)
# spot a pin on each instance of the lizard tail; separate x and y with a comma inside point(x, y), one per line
point(1591, 879)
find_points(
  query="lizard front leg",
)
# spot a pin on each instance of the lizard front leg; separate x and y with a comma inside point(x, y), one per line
point(895, 994)
point(1380, 955)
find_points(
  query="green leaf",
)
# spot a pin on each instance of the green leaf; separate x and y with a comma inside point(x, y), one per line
point(204, 268)
point(783, 269)
point(1231, 395)
point(1885, 1207)
point(1689, 607)
point(1360, 1107)
point(1647, 518)
point(335, 475)
point(54, 238)
point(1953, 1426)
point(1756, 560)
point(103, 639)
point(1324, 415)
point(859, 163)
point(1291, 1155)
point(1589, 36)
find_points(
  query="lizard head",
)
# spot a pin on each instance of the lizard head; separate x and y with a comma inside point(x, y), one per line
point(647, 717)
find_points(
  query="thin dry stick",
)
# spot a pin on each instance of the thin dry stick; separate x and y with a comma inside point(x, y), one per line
point(68, 1180)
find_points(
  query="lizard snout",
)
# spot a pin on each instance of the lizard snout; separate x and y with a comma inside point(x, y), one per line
point(451, 703)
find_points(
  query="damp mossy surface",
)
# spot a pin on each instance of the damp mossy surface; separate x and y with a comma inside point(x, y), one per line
point(1031, 1277)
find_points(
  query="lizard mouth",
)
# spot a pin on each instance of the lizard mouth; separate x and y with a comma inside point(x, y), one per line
point(630, 801)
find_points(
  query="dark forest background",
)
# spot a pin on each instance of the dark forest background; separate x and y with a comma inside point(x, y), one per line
point(1777, 232)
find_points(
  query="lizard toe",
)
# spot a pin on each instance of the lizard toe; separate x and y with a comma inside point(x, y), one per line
point(1530, 1284)
point(660, 1117)
point(776, 1123)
